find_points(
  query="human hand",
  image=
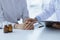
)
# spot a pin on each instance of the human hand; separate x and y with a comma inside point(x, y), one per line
point(31, 20)
point(56, 25)
point(29, 26)
point(29, 23)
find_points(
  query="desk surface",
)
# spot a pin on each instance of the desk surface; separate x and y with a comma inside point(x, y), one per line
point(50, 34)
point(37, 34)
point(15, 35)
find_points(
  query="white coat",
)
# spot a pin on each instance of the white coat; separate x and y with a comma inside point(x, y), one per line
point(48, 9)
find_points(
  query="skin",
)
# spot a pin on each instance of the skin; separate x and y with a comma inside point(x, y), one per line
point(29, 26)
point(32, 21)
point(56, 25)
point(29, 23)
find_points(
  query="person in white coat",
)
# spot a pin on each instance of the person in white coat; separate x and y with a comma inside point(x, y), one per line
point(48, 9)
point(13, 10)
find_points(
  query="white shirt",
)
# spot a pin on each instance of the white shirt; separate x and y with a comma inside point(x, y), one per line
point(12, 10)
point(48, 9)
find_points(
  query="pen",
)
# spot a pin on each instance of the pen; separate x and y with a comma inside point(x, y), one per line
point(40, 25)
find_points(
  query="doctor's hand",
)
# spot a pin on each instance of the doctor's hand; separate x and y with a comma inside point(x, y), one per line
point(31, 20)
point(28, 26)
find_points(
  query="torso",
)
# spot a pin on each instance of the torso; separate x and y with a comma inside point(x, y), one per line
point(12, 9)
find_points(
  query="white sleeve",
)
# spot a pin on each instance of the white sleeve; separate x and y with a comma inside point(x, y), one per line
point(1, 13)
point(25, 13)
point(48, 10)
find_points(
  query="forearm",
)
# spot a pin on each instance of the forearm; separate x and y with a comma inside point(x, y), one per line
point(46, 13)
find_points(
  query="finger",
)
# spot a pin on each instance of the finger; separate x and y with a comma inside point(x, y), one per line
point(30, 26)
point(27, 25)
